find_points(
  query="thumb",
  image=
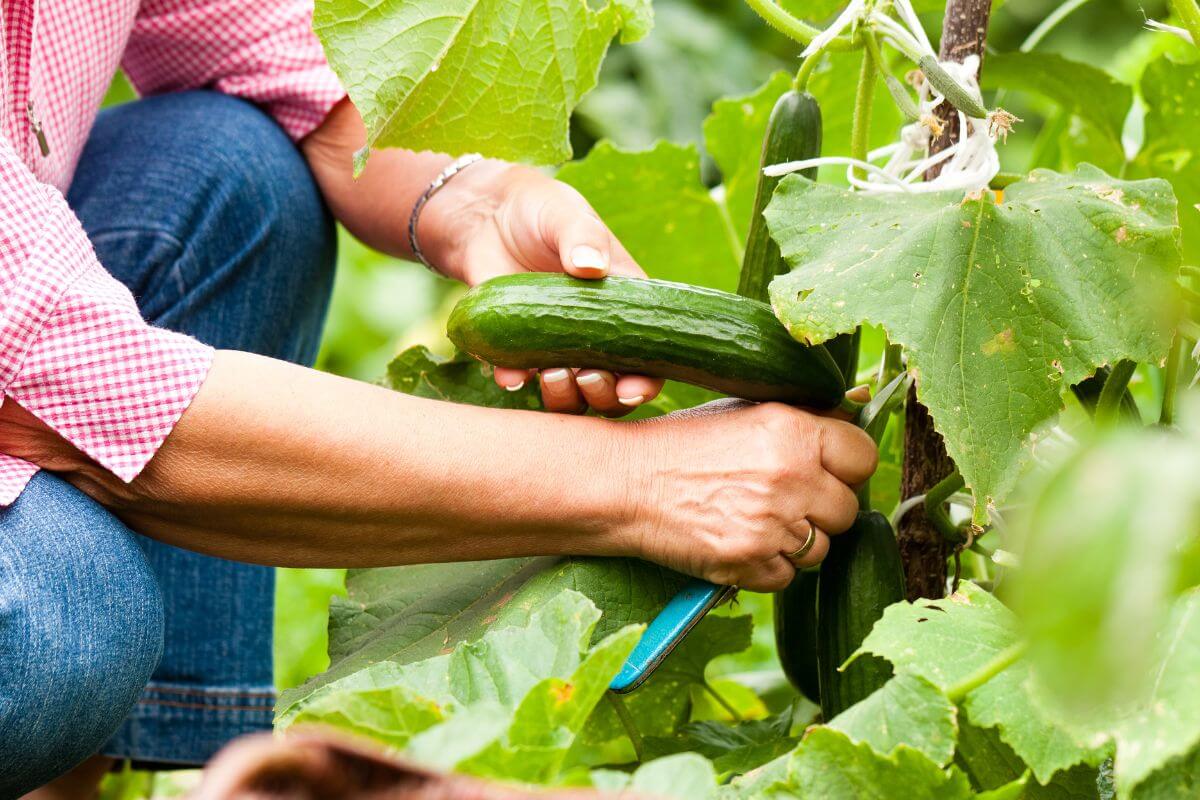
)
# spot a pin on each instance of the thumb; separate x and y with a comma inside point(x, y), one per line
point(583, 242)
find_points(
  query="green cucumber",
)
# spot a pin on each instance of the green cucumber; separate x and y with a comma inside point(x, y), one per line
point(793, 134)
point(796, 633)
point(860, 577)
point(708, 338)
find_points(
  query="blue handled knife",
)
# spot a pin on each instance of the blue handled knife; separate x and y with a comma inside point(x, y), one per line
point(667, 630)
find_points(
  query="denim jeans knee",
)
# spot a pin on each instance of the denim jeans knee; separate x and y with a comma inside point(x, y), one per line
point(81, 631)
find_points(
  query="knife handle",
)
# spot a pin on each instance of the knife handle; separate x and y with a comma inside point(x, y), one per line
point(667, 630)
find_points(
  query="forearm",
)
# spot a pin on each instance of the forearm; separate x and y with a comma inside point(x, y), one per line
point(280, 465)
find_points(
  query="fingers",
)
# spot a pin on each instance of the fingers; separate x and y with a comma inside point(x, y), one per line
point(560, 393)
point(567, 225)
point(634, 390)
point(834, 507)
point(512, 379)
point(847, 452)
point(816, 553)
point(774, 576)
point(599, 389)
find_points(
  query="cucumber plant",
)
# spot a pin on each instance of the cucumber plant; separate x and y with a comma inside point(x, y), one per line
point(1027, 306)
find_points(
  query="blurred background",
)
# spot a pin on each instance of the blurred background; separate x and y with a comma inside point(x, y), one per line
point(659, 88)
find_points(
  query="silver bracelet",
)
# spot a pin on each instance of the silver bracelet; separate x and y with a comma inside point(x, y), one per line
point(455, 167)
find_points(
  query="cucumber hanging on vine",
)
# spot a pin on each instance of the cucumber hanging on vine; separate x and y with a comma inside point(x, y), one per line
point(860, 577)
point(793, 134)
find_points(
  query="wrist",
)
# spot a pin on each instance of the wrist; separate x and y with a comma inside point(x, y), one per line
point(613, 501)
point(445, 224)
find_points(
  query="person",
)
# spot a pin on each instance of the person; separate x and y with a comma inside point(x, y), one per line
point(156, 453)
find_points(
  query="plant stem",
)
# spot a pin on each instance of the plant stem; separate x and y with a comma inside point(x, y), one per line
point(864, 102)
point(998, 663)
point(1189, 14)
point(1108, 407)
point(627, 722)
point(791, 27)
point(722, 702)
point(807, 67)
point(923, 551)
point(935, 498)
point(1171, 381)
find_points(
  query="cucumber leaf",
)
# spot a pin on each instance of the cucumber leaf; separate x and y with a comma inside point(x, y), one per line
point(999, 307)
point(473, 75)
point(686, 776)
point(831, 766)
point(907, 710)
point(406, 615)
point(733, 136)
point(1108, 542)
point(1166, 727)
point(1171, 92)
point(507, 705)
point(673, 228)
point(946, 641)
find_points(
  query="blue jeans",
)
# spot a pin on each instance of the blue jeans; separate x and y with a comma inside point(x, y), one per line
point(109, 641)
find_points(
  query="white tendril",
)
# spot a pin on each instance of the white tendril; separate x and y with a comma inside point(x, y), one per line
point(968, 165)
point(1162, 27)
point(849, 14)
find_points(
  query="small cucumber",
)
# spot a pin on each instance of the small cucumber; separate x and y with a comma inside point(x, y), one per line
point(708, 338)
point(796, 633)
point(860, 577)
point(793, 134)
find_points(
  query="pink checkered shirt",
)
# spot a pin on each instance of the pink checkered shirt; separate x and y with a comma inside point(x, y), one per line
point(74, 350)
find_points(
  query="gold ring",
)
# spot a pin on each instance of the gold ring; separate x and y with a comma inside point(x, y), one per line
point(808, 544)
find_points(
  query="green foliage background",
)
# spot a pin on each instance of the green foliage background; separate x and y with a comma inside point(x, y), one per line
point(663, 88)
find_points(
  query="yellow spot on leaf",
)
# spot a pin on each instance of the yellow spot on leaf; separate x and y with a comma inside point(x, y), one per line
point(563, 693)
point(1000, 343)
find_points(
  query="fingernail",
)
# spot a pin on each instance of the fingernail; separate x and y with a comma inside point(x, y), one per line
point(631, 401)
point(586, 257)
point(555, 375)
point(516, 387)
point(588, 378)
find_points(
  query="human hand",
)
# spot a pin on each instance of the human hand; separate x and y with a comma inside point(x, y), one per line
point(496, 219)
point(733, 488)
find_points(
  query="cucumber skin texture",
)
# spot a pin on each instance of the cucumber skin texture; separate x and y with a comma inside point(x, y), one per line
point(796, 633)
point(793, 133)
point(669, 330)
point(860, 577)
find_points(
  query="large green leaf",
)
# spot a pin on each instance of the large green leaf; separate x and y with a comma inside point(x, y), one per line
point(507, 705)
point(906, 711)
point(1171, 150)
point(947, 641)
point(654, 202)
point(463, 75)
point(991, 764)
point(830, 766)
point(1167, 725)
point(404, 615)
point(733, 136)
point(999, 307)
point(1106, 548)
